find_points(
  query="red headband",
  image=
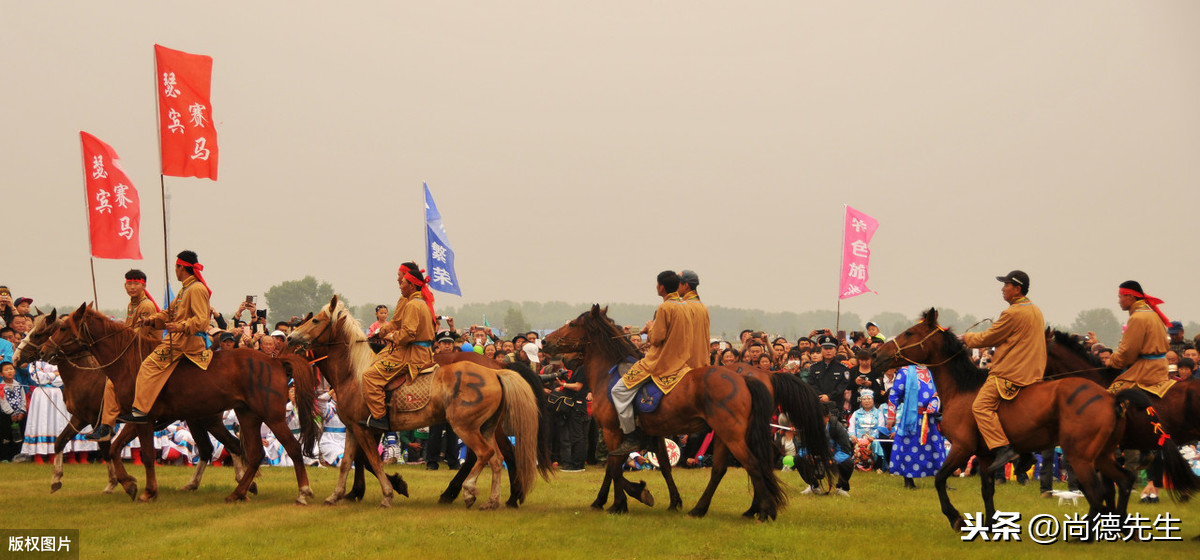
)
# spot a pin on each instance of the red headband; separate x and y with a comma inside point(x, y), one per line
point(196, 269)
point(146, 292)
point(1152, 301)
point(425, 291)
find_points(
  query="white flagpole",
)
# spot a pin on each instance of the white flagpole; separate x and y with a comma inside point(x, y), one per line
point(841, 265)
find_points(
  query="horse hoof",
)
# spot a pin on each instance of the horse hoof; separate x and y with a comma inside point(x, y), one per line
point(131, 489)
point(697, 513)
point(646, 498)
point(469, 501)
point(385, 504)
point(55, 487)
point(957, 524)
point(146, 498)
point(676, 505)
point(235, 497)
point(512, 504)
point(301, 501)
point(615, 509)
point(597, 505)
point(188, 488)
point(491, 505)
point(445, 499)
point(253, 488)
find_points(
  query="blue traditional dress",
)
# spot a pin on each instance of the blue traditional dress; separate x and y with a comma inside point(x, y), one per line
point(868, 424)
point(919, 447)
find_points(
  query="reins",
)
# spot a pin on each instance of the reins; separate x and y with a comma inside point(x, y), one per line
point(921, 344)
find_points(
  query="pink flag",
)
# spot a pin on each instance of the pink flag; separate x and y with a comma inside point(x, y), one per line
point(856, 253)
point(114, 211)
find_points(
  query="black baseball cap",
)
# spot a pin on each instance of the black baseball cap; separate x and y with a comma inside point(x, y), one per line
point(1015, 277)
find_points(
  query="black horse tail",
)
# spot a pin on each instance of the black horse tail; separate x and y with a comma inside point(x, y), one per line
point(544, 463)
point(1181, 481)
point(804, 410)
point(758, 437)
point(304, 376)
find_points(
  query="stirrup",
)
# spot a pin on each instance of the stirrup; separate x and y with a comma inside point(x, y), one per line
point(132, 417)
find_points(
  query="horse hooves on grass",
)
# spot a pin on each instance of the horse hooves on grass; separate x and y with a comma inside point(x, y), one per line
point(131, 489)
point(490, 505)
point(253, 488)
point(676, 505)
point(188, 488)
point(235, 497)
point(55, 487)
point(646, 498)
point(697, 513)
point(618, 509)
point(146, 498)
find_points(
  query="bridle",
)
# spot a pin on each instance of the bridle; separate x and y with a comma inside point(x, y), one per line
point(57, 351)
point(921, 344)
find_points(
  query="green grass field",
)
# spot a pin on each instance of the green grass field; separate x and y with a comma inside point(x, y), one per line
point(880, 518)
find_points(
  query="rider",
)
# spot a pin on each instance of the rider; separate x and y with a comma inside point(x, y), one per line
point(697, 316)
point(1019, 335)
point(667, 351)
point(410, 343)
point(1143, 347)
point(141, 307)
point(185, 320)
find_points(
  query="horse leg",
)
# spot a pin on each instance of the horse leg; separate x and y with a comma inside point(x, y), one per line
point(127, 482)
point(613, 473)
point(64, 437)
point(284, 435)
point(106, 455)
point(761, 503)
point(1107, 465)
point(367, 441)
point(664, 464)
point(720, 459)
point(486, 453)
point(956, 459)
point(232, 444)
point(987, 489)
point(349, 452)
point(509, 457)
point(204, 448)
point(146, 440)
point(602, 496)
point(253, 453)
point(455, 487)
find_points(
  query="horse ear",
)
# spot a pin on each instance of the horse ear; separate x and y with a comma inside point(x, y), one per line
point(332, 303)
point(306, 319)
point(53, 315)
point(78, 313)
point(39, 311)
point(932, 316)
point(596, 310)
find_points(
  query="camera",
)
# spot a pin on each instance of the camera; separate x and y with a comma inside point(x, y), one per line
point(261, 313)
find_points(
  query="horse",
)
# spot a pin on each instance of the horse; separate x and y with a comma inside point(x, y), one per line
point(474, 399)
point(738, 408)
point(248, 381)
point(83, 394)
point(1042, 415)
point(1177, 413)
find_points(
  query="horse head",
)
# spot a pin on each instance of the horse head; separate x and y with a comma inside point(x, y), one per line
point(916, 345)
point(314, 326)
point(44, 325)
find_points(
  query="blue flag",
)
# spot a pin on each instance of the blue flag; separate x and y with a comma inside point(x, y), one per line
point(438, 254)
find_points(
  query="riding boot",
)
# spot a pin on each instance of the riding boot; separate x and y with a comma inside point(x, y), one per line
point(103, 432)
point(135, 416)
point(633, 441)
point(1004, 455)
point(376, 423)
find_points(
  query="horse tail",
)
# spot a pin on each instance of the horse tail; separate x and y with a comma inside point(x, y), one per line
point(305, 378)
point(758, 437)
point(1177, 473)
point(521, 421)
point(544, 462)
point(804, 410)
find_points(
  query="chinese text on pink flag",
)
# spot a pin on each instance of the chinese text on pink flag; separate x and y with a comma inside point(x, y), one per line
point(856, 253)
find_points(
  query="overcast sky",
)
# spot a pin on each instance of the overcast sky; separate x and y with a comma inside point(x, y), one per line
point(577, 149)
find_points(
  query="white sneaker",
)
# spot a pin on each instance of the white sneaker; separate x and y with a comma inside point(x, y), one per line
point(808, 490)
point(841, 492)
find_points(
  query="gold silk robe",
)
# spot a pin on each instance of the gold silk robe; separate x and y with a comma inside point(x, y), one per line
point(189, 312)
point(670, 347)
point(1019, 335)
point(1142, 352)
point(697, 314)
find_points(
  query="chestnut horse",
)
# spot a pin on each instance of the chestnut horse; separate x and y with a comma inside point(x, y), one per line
point(248, 381)
point(474, 399)
point(83, 394)
point(1075, 413)
point(1177, 412)
point(738, 408)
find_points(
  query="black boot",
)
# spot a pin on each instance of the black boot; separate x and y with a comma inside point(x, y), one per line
point(909, 484)
point(134, 416)
point(633, 441)
point(103, 432)
point(1004, 455)
point(376, 423)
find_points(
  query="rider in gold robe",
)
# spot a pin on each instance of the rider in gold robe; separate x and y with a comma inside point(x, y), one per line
point(669, 348)
point(1143, 349)
point(141, 307)
point(697, 314)
point(409, 336)
point(186, 323)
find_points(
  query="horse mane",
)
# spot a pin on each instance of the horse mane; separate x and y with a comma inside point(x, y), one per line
point(1070, 342)
point(360, 352)
point(962, 369)
point(108, 326)
point(606, 335)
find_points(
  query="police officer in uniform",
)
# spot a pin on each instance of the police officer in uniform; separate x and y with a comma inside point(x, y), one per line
point(830, 377)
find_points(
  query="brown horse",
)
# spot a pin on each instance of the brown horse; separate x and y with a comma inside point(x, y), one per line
point(83, 394)
point(738, 409)
point(248, 381)
point(474, 399)
point(1075, 413)
point(1178, 413)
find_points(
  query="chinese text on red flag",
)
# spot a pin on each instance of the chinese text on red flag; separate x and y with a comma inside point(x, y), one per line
point(114, 211)
point(187, 131)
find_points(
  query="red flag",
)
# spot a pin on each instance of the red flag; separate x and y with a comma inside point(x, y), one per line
point(114, 211)
point(187, 133)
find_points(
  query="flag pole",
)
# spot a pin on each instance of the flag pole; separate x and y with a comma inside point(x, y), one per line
point(162, 184)
point(87, 215)
point(841, 265)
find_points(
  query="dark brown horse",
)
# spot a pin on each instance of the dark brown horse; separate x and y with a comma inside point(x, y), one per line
point(1075, 413)
point(1177, 412)
point(737, 408)
point(473, 399)
point(83, 394)
point(247, 381)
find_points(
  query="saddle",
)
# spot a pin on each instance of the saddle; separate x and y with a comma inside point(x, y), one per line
point(412, 395)
point(648, 397)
